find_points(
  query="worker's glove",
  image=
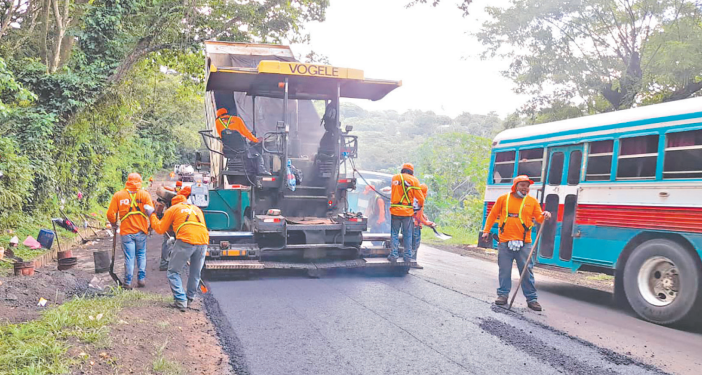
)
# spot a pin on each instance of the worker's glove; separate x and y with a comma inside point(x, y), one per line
point(148, 209)
point(515, 245)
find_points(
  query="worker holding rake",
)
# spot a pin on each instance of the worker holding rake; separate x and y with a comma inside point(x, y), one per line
point(516, 212)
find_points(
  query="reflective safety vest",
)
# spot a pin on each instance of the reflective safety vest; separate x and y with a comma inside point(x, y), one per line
point(405, 197)
point(519, 216)
point(134, 206)
point(187, 221)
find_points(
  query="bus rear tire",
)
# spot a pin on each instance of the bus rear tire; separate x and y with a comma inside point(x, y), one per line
point(661, 281)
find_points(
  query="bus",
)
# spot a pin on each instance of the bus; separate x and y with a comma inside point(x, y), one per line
point(625, 190)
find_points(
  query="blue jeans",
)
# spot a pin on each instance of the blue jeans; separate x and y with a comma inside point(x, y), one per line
point(505, 268)
point(181, 254)
point(417, 237)
point(131, 244)
point(407, 224)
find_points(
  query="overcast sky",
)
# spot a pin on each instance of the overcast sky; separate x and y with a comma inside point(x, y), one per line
point(428, 48)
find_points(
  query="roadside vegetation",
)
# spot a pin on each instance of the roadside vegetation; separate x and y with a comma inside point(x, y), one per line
point(93, 90)
point(41, 346)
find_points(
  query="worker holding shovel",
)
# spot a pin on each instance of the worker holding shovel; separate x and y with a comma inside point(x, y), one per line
point(131, 206)
point(420, 219)
point(516, 210)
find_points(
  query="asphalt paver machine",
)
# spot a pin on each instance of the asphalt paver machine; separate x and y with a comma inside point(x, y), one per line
point(281, 203)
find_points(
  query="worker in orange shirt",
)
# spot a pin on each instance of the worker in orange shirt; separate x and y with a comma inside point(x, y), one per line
point(167, 244)
point(419, 220)
point(516, 210)
point(235, 124)
point(192, 237)
point(130, 207)
point(405, 188)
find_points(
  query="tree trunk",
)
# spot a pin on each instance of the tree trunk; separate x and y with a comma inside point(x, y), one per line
point(46, 4)
point(688, 90)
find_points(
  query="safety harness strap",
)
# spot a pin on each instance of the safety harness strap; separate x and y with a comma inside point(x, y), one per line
point(187, 221)
point(405, 194)
point(134, 206)
point(519, 216)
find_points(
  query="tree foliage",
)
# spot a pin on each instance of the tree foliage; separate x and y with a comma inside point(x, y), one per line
point(450, 155)
point(91, 90)
point(608, 54)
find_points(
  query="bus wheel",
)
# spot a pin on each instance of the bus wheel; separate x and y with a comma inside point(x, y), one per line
point(661, 281)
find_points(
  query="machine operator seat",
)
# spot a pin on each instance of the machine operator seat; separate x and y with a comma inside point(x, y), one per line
point(235, 149)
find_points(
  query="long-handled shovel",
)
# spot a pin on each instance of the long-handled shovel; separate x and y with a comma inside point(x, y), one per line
point(527, 264)
point(112, 263)
point(440, 235)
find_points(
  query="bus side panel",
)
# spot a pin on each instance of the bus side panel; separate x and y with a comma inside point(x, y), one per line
point(695, 240)
point(601, 246)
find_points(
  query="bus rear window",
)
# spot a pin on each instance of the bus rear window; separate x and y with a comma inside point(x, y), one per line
point(530, 163)
point(504, 167)
point(638, 158)
point(599, 162)
point(682, 156)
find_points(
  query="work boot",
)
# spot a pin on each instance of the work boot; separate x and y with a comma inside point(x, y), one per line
point(127, 286)
point(502, 300)
point(261, 167)
point(392, 259)
point(141, 283)
point(180, 305)
point(407, 259)
point(534, 305)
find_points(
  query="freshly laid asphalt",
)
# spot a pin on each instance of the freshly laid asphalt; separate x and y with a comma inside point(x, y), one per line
point(438, 320)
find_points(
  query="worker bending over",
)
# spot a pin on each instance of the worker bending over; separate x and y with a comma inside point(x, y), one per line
point(516, 210)
point(130, 207)
point(405, 188)
point(192, 238)
point(419, 220)
point(167, 244)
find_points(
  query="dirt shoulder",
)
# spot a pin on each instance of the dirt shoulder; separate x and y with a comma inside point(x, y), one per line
point(137, 333)
point(588, 279)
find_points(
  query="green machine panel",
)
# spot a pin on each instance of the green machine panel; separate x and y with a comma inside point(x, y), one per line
point(226, 209)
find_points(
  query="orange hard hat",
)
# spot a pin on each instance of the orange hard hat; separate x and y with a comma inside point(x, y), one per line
point(179, 183)
point(408, 166)
point(221, 112)
point(177, 199)
point(520, 178)
point(424, 189)
point(134, 177)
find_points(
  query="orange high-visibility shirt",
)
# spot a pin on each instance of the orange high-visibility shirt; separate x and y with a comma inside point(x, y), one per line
point(421, 219)
point(234, 123)
point(404, 189)
point(131, 211)
point(194, 233)
point(513, 230)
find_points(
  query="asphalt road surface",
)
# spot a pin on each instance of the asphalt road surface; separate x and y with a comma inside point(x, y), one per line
point(438, 320)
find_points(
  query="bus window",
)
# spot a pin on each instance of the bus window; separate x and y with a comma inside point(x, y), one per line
point(682, 156)
point(504, 167)
point(530, 163)
point(600, 157)
point(638, 158)
point(574, 174)
point(555, 168)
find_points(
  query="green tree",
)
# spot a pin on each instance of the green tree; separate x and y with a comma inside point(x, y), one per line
point(454, 167)
point(608, 54)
